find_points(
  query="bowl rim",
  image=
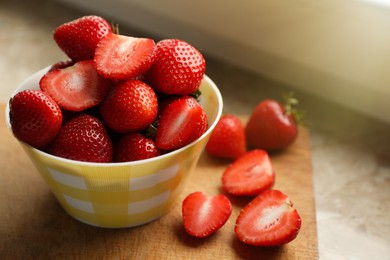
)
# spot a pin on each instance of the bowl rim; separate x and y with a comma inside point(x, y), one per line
point(210, 82)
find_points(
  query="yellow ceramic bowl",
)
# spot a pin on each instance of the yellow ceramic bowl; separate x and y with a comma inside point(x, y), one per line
point(116, 195)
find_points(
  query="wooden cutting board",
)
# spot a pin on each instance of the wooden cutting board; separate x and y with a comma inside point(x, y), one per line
point(34, 226)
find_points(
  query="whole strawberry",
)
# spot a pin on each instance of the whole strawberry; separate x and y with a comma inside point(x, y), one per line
point(182, 121)
point(35, 117)
point(178, 68)
point(272, 126)
point(134, 147)
point(79, 38)
point(130, 106)
point(227, 139)
point(83, 138)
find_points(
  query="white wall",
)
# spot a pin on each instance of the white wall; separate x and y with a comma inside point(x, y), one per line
point(337, 49)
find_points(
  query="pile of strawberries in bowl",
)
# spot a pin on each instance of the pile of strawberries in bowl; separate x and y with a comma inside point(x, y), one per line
point(124, 99)
point(117, 99)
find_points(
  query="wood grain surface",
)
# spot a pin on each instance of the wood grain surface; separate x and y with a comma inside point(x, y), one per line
point(34, 226)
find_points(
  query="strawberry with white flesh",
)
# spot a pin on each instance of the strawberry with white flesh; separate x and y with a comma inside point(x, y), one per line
point(178, 68)
point(83, 138)
point(123, 57)
point(35, 117)
point(182, 121)
point(268, 220)
point(76, 87)
point(202, 215)
point(79, 38)
point(249, 175)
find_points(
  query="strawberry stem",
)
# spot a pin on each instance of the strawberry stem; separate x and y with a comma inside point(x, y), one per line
point(290, 107)
point(115, 27)
point(196, 94)
point(151, 131)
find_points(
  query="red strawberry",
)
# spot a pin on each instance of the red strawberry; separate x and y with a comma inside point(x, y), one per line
point(35, 117)
point(62, 65)
point(227, 139)
point(178, 68)
point(123, 57)
point(163, 102)
point(83, 138)
point(249, 175)
point(78, 38)
point(129, 107)
point(271, 126)
point(202, 215)
point(268, 220)
point(182, 121)
point(76, 87)
point(133, 147)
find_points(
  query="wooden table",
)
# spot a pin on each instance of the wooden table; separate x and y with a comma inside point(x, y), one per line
point(34, 226)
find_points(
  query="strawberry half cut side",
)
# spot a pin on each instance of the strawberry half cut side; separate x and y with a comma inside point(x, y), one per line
point(123, 57)
point(76, 88)
point(268, 220)
point(249, 175)
point(202, 215)
point(182, 121)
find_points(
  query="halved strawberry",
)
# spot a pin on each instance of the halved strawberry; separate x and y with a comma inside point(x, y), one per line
point(62, 64)
point(182, 121)
point(130, 106)
point(268, 220)
point(83, 138)
point(133, 147)
point(123, 57)
point(35, 117)
point(249, 175)
point(178, 68)
point(202, 215)
point(78, 38)
point(75, 87)
point(227, 139)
